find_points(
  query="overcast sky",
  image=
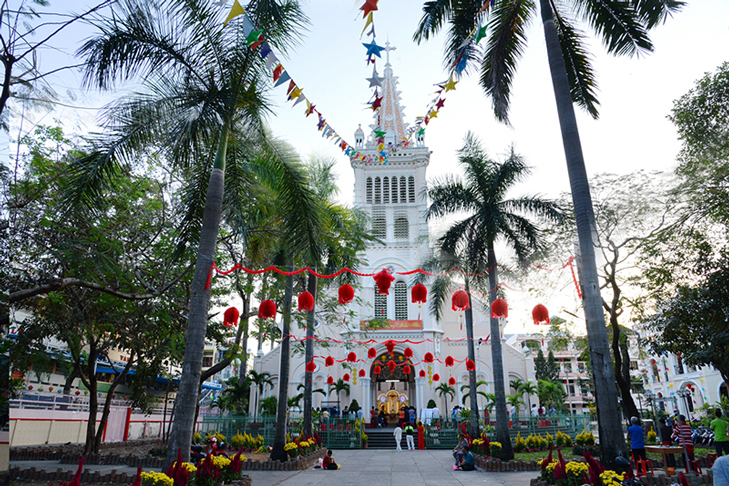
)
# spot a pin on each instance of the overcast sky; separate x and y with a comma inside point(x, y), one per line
point(636, 94)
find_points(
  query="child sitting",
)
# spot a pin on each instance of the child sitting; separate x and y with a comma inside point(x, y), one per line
point(328, 462)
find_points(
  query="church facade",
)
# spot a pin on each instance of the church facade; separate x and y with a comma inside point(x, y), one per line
point(391, 194)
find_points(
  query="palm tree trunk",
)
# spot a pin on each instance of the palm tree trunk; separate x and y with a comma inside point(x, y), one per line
point(188, 392)
point(475, 432)
point(612, 443)
point(309, 355)
point(279, 441)
point(497, 360)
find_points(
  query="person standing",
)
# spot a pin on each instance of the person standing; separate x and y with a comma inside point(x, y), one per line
point(666, 432)
point(635, 434)
point(535, 410)
point(421, 436)
point(685, 434)
point(718, 425)
point(721, 471)
point(409, 431)
point(398, 437)
point(373, 417)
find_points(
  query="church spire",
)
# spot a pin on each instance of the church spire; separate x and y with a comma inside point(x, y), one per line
point(389, 117)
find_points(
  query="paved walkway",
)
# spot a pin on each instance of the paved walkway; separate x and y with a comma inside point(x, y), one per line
point(367, 467)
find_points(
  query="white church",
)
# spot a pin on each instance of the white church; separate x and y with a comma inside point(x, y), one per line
point(390, 193)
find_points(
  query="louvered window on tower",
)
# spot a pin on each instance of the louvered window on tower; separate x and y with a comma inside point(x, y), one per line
point(379, 223)
point(411, 189)
point(369, 190)
point(401, 301)
point(385, 190)
point(403, 190)
point(380, 305)
point(402, 228)
point(394, 190)
point(378, 191)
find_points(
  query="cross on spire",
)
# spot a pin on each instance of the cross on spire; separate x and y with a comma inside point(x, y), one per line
point(388, 49)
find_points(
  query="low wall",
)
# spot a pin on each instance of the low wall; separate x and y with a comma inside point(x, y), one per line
point(87, 476)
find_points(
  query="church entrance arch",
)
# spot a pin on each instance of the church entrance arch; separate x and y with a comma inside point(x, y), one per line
point(392, 388)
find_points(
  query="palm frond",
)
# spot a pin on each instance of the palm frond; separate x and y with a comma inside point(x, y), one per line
point(617, 23)
point(506, 43)
point(435, 13)
point(655, 12)
point(580, 74)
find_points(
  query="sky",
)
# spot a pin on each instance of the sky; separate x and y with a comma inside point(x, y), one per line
point(636, 94)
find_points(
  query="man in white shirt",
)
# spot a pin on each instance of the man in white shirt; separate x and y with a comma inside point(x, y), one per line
point(721, 471)
point(535, 410)
point(512, 412)
point(398, 437)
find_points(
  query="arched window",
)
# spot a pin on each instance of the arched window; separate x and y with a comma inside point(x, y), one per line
point(380, 305)
point(402, 228)
point(368, 189)
point(378, 191)
point(379, 223)
point(401, 301)
point(394, 190)
point(411, 189)
point(403, 190)
point(385, 190)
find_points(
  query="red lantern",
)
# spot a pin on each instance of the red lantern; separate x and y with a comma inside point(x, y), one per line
point(377, 370)
point(451, 381)
point(449, 361)
point(391, 364)
point(436, 377)
point(408, 353)
point(470, 365)
point(390, 345)
point(372, 353)
point(540, 314)
point(230, 317)
point(352, 357)
point(78, 392)
point(311, 366)
point(421, 374)
point(306, 302)
point(346, 294)
point(428, 358)
point(460, 301)
point(406, 369)
point(362, 373)
point(329, 361)
point(267, 310)
point(330, 380)
point(346, 377)
point(383, 279)
point(499, 309)
point(419, 294)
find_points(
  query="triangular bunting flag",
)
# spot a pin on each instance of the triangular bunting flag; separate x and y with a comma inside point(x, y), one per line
point(234, 12)
point(299, 99)
point(284, 77)
point(278, 72)
point(369, 21)
point(291, 87)
point(271, 60)
point(265, 50)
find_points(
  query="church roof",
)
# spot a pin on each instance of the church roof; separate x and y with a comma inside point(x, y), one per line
point(389, 117)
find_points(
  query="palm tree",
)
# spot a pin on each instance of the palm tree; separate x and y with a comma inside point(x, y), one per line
point(623, 27)
point(491, 218)
point(260, 380)
point(339, 386)
point(515, 400)
point(445, 390)
point(203, 101)
point(467, 390)
point(516, 384)
point(236, 394)
point(530, 389)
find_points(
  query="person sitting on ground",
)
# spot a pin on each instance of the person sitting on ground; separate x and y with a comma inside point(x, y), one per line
point(328, 462)
point(468, 463)
point(458, 452)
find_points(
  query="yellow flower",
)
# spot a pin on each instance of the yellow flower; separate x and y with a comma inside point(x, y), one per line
point(156, 479)
point(221, 462)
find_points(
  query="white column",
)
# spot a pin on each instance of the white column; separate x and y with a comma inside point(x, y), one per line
point(366, 392)
point(419, 391)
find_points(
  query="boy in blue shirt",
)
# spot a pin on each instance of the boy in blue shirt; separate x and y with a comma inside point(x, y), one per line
point(635, 434)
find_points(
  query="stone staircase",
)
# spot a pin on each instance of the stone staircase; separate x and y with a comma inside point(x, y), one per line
point(383, 439)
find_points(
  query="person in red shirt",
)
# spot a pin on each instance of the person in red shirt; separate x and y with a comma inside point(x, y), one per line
point(328, 462)
point(685, 435)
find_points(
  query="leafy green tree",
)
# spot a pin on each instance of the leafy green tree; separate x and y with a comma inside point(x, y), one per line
point(236, 394)
point(551, 393)
point(541, 368)
point(514, 400)
point(623, 28)
point(445, 391)
point(552, 368)
point(269, 405)
point(201, 110)
point(491, 218)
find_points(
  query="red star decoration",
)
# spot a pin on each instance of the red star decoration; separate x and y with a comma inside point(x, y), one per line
point(310, 110)
point(377, 103)
point(440, 104)
point(368, 7)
